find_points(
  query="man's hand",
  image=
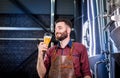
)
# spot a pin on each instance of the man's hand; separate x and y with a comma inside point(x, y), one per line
point(87, 76)
point(42, 47)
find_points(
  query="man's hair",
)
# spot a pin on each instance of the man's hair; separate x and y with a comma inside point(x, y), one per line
point(66, 21)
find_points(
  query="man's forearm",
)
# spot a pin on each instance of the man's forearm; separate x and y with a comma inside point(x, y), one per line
point(40, 67)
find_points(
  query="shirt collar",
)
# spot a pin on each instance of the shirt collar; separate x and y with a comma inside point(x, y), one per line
point(69, 44)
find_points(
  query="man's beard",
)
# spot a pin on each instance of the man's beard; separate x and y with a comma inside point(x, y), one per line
point(62, 36)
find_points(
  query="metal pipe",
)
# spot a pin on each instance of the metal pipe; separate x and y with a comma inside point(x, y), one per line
point(21, 28)
point(52, 15)
point(99, 25)
point(21, 39)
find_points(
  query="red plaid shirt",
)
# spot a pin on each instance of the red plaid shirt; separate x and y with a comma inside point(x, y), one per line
point(80, 58)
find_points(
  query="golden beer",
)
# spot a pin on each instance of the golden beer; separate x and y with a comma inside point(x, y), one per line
point(47, 40)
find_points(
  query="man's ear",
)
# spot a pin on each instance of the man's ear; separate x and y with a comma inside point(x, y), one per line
point(69, 30)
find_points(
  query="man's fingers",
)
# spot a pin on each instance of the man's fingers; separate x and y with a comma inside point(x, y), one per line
point(42, 47)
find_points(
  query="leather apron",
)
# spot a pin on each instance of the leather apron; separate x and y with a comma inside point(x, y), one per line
point(62, 66)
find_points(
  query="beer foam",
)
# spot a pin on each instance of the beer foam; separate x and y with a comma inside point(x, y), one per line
point(47, 36)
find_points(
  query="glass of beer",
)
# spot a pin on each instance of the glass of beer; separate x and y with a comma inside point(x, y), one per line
point(47, 38)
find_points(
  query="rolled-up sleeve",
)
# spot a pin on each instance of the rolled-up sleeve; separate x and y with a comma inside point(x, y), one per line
point(85, 68)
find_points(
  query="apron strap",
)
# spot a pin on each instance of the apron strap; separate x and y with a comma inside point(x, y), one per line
point(54, 54)
point(71, 50)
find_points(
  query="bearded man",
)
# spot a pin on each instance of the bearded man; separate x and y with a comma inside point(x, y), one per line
point(66, 59)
